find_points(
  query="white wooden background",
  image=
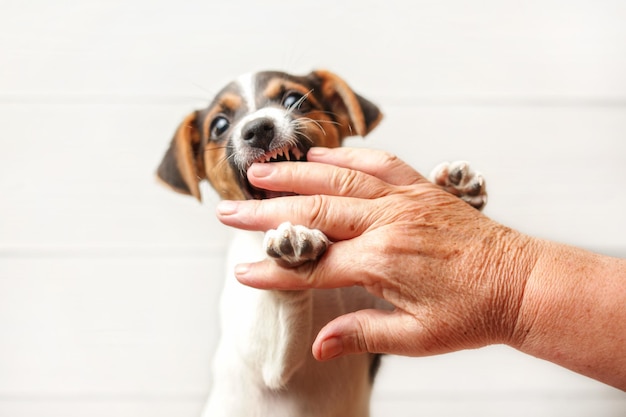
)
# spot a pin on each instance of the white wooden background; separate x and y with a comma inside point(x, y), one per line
point(108, 282)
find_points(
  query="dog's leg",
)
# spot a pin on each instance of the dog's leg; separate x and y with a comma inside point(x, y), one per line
point(281, 335)
point(269, 332)
point(283, 339)
point(459, 179)
point(292, 246)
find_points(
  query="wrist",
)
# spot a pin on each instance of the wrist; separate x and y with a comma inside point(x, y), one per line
point(540, 299)
point(511, 260)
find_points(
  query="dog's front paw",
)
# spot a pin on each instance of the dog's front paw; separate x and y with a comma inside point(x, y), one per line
point(459, 179)
point(294, 245)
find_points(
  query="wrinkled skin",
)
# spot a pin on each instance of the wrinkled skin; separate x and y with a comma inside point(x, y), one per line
point(438, 260)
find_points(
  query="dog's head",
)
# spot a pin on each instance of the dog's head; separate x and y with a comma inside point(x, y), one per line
point(262, 117)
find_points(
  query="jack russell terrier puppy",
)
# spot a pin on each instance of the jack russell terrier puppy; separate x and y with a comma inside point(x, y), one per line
point(263, 365)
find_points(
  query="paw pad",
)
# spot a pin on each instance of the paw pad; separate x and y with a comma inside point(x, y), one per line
point(459, 179)
point(294, 245)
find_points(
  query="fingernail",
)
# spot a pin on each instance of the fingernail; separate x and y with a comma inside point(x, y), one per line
point(317, 151)
point(227, 207)
point(260, 170)
point(331, 348)
point(242, 270)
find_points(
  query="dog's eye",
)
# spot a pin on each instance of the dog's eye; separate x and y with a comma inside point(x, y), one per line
point(296, 101)
point(219, 126)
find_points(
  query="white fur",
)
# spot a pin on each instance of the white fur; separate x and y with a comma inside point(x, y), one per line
point(263, 365)
point(247, 84)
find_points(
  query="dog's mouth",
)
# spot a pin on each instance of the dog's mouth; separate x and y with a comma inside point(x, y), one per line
point(287, 153)
point(293, 153)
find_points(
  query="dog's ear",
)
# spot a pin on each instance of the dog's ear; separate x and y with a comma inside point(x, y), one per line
point(360, 116)
point(182, 166)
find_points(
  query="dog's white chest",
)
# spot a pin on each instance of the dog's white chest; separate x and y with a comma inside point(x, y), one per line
point(263, 365)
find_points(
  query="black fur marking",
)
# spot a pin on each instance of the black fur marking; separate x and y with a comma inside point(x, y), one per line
point(285, 247)
point(170, 173)
point(455, 176)
point(271, 252)
point(375, 366)
point(306, 248)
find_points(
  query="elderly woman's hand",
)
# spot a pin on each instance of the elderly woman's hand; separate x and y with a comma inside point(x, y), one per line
point(454, 276)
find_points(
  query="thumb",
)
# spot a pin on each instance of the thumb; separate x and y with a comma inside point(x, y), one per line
point(375, 331)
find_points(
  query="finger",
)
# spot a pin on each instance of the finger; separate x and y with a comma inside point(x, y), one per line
point(338, 217)
point(375, 331)
point(316, 178)
point(331, 272)
point(382, 165)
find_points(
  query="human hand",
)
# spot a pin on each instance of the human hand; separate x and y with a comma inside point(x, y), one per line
point(454, 276)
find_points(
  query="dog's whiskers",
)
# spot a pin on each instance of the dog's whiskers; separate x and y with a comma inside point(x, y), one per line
point(223, 161)
point(302, 122)
point(215, 148)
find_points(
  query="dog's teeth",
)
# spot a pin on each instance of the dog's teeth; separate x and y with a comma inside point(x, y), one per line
point(271, 155)
point(293, 154)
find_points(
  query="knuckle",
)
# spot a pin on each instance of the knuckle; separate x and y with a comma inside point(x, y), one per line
point(387, 159)
point(316, 210)
point(345, 181)
point(391, 162)
point(399, 172)
point(362, 339)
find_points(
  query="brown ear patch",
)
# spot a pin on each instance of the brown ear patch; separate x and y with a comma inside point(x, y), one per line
point(357, 115)
point(181, 168)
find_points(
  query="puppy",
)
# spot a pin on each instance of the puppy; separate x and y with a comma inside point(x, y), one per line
point(263, 364)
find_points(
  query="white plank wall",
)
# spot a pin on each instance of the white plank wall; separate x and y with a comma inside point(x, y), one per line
point(108, 282)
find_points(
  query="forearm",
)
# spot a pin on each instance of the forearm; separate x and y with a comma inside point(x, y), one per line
point(574, 312)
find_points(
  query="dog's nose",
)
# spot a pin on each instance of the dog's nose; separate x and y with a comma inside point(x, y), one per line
point(259, 133)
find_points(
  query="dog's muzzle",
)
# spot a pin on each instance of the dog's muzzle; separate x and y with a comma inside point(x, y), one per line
point(265, 140)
